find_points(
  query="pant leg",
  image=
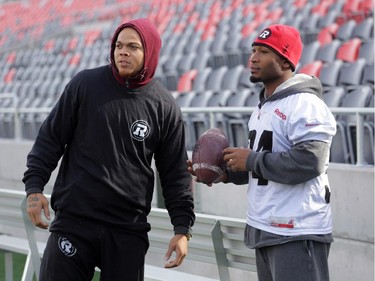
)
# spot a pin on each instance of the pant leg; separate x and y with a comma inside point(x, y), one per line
point(262, 264)
point(67, 258)
point(123, 256)
point(294, 261)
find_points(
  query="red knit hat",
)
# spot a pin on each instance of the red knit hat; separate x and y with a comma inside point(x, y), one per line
point(284, 40)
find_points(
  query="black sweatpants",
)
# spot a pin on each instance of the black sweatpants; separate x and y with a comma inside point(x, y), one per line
point(73, 256)
point(304, 260)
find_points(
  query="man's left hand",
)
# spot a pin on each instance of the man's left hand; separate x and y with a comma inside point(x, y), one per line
point(179, 245)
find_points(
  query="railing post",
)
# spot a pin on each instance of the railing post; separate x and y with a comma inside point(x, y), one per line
point(221, 257)
point(212, 119)
point(17, 122)
point(359, 138)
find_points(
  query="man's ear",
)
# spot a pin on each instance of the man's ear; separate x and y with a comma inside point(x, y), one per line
point(286, 65)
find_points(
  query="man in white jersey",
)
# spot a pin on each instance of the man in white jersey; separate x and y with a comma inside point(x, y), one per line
point(289, 220)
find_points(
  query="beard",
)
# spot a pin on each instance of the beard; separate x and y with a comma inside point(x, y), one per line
point(268, 74)
point(255, 79)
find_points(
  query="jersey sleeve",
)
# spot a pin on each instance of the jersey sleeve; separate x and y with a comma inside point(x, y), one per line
point(310, 119)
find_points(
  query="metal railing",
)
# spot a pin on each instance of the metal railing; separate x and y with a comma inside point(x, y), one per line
point(211, 111)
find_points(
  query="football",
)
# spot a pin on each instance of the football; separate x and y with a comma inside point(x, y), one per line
point(207, 157)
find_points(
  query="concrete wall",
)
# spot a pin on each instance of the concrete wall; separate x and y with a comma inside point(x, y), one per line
point(352, 253)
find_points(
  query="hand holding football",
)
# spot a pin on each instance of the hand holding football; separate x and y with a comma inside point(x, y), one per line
point(207, 158)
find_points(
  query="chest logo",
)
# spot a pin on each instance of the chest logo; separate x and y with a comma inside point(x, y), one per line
point(140, 130)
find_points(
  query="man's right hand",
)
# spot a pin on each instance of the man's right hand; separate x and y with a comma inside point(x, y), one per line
point(36, 202)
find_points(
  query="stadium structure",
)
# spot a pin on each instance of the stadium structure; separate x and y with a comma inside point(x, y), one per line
point(203, 62)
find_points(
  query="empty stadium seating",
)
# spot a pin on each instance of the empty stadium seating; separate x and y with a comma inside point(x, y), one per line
point(206, 46)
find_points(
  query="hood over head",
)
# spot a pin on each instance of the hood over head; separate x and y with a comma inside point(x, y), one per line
point(151, 43)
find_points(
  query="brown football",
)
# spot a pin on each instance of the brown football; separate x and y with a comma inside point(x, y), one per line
point(207, 157)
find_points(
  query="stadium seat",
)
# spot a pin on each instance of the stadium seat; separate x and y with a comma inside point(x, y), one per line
point(329, 73)
point(233, 42)
point(321, 8)
point(179, 46)
point(339, 152)
point(185, 63)
point(333, 96)
point(192, 46)
point(219, 99)
point(327, 52)
point(350, 7)
point(312, 69)
point(184, 100)
point(366, 50)
point(351, 73)
point(170, 65)
point(237, 122)
point(367, 7)
point(330, 17)
point(368, 75)
point(252, 100)
point(218, 44)
point(364, 30)
point(231, 78)
point(199, 83)
point(199, 122)
point(204, 46)
point(215, 78)
point(159, 75)
point(234, 58)
point(309, 53)
point(218, 60)
point(349, 50)
point(368, 138)
point(345, 30)
point(185, 82)
point(201, 61)
point(310, 23)
point(358, 97)
point(171, 79)
point(295, 21)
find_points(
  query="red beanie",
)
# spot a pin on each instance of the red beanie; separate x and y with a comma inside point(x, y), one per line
point(284, 40)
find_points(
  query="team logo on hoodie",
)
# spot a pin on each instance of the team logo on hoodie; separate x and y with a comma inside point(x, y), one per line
point(66, 247)
point(140, 130)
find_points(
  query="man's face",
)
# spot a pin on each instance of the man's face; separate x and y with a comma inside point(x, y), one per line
point(129, 53)
point(265, 65)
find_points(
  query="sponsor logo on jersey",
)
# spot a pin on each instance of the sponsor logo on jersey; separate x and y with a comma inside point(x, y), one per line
point(280, 114)
point(140, 130)
point(311, 124)
point(66, 247)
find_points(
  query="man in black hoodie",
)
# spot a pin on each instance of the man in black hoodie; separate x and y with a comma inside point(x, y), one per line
point(108, 126)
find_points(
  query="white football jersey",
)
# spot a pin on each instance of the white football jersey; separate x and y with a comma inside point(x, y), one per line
point(277, 126)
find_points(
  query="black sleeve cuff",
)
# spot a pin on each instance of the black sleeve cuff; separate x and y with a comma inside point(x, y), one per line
point(180, 229)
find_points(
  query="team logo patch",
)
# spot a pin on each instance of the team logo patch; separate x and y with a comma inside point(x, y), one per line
point(265, 34)
point(66, 247)
point(140, 130)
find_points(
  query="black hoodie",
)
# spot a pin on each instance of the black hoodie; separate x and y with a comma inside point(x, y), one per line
point(107, 134)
